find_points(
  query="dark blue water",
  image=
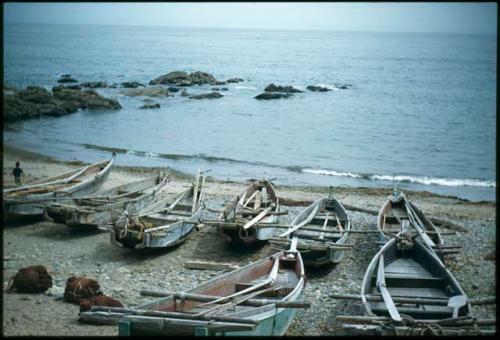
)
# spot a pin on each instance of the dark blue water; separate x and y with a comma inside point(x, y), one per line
point(421, 112)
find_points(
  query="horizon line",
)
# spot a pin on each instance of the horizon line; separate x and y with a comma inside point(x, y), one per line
point(250, 28)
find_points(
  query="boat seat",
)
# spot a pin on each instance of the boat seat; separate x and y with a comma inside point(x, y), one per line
point(416, 312)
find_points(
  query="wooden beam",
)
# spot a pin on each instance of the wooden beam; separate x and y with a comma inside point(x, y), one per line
point(205, 265)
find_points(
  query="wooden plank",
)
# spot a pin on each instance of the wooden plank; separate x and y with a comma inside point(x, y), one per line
point(257, 218)
point(195, 191)
point(322, 235)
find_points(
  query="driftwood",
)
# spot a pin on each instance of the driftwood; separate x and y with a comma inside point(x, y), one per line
point(294, 203)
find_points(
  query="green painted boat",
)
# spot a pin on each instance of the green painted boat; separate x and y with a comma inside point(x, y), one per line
point(259, 299)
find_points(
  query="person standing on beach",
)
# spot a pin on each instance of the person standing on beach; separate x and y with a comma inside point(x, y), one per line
point(17, 172)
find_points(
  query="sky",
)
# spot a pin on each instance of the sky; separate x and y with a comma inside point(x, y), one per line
point(460, 17)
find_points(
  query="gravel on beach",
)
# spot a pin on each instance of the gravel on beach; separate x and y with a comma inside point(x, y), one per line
point(122, 273)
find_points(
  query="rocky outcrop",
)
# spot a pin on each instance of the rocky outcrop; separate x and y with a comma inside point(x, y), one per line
point(211, 95)
point(131, 84)
point(174, 77)
point(279, 88)
point(318, 88)
point(66, 78)
point(148, 92)
point(95, 84)
point(343, 86)
point(273, 95)
point(181, 78)
point(35, 101)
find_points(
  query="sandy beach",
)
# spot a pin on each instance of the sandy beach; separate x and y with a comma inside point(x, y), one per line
point(122, 273)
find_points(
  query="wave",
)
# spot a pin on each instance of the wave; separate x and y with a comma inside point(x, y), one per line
point(449, 182)
point(242, 87)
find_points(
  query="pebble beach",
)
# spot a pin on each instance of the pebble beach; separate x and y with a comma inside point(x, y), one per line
point(122, 273)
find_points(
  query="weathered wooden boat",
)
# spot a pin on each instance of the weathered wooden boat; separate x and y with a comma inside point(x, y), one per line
point(164, 222)
point(322, 230)
point(258, 299)
point(104, 209)
point(30, 200)
point(398, 212)
point(250, 216)
point(407, 281)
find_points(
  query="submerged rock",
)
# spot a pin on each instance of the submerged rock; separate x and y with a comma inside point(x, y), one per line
point(219, 89)
point(131, 84)
point(95, 84)
point(318, 88)
point(211, 95)
point(184, 93)
point(150, 106)
point(234, 80)
point(66, 78)
point(279, 88)
point(173, 89)
point(220, 82)
point(148, 92)
point(273, 95)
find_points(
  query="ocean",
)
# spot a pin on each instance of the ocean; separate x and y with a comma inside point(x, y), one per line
point(420, 114)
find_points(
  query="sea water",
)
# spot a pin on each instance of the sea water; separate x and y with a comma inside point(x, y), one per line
point(420, 114)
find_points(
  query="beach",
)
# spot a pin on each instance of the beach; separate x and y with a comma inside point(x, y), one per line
point(122, 273)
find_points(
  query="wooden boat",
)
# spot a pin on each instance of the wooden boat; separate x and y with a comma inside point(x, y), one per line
point(398, 212)
point(105, 208)
point(322, 230)
point(406, 278)
point(30, 200)
point(249, 217)
point(164, 222)
point(258, 299)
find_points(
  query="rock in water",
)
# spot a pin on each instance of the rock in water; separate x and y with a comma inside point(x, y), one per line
point(211, 95)
point(273, 95)
point(279, 88)
point(200, 78)
point(318, 88)
point(170, 78)
point(131, 84)
point(35, 95)
point(150, 106)
point(233, 80)
point(33, 279)
point(173, 89)
point(148, 92)
point(184, 93)
point(66, 78)
point(95, 84)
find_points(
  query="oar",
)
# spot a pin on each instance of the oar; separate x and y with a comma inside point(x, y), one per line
point(391, 307)
point(258, 217)
point(456, 302)
point(417, 226)
point(322, 235)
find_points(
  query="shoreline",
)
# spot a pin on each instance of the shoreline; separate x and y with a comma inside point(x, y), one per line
point(122, 273)
point(33, 155)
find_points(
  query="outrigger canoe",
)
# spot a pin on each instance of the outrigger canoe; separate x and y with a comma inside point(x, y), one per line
point(104, 209)
point(322, 230)
point(250, 216)
point(260, 299)
point(30, 200)
point(164, 222)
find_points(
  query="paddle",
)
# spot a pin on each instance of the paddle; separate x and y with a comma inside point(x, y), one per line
point(456, 302)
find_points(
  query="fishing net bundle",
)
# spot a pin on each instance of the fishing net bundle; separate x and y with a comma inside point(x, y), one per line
point(99, 300)
point(33, 279)
point(78, 288)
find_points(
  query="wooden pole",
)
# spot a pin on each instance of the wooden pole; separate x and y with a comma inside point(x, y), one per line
point(210, 298)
